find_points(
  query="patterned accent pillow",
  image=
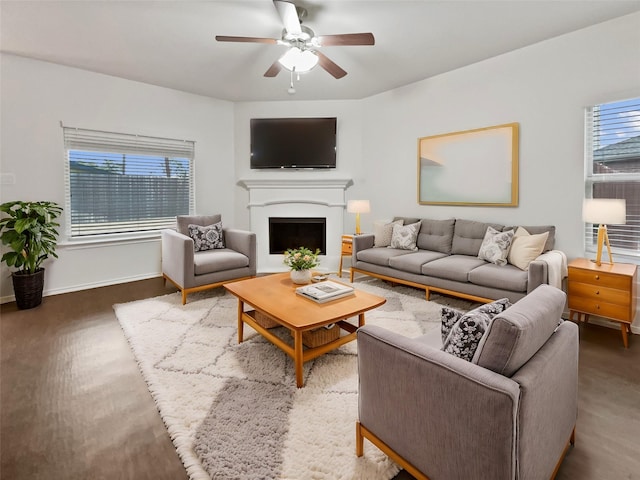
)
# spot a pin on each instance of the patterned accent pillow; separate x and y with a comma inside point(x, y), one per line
point(448, 318)
point(465, 335)
point(206, 238)
point(495, 246)
point(383, 231)
point(405, 237)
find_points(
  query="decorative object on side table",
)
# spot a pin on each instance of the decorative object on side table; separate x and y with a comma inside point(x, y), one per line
point(30, 232)
point(602, 211)
point(358, 207)
point(301, 260)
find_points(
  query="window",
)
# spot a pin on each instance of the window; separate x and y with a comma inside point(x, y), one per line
point(613, 169)
point(118, 183)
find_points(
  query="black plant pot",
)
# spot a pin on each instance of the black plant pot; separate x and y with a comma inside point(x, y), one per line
point(28, 288)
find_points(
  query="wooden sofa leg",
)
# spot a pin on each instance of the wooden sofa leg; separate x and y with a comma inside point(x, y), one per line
point(359, 441)
point(184, 296)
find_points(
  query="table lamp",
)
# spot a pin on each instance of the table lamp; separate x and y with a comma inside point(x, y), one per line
point(358, 207)
point(601, 211)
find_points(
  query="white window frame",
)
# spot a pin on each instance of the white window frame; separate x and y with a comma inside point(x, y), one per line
point(592, 143)
point(138, 146)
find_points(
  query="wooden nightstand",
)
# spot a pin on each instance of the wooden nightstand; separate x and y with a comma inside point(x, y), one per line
point(345, 249)
point(607, 291)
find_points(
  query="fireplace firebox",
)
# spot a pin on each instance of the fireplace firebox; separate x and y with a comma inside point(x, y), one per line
point(289, 232)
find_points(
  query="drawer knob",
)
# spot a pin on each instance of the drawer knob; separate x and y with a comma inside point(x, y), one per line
point(597, 307)
point(597, 277)
point(597, 292)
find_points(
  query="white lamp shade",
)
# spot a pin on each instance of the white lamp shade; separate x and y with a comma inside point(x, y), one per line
point(358, 206)
point(298, 60)
point(601, 211)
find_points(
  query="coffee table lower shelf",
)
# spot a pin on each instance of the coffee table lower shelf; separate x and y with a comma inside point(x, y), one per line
point(298, 352)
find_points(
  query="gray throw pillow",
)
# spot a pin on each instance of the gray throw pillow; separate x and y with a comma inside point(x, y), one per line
point(405, 237)
point(495, 246)
point(382, 233)
point(206, 238)
point(465, 335)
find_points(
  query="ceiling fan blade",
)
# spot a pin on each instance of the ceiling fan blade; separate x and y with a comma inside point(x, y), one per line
point(273, 69)
point(289, 16)
point(329, 65)
point(346, 39)
point(224, 38)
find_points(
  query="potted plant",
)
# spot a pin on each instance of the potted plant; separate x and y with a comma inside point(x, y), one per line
point(301, 261)
point(29, 230)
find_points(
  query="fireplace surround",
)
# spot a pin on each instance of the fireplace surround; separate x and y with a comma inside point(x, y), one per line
point(296, 199)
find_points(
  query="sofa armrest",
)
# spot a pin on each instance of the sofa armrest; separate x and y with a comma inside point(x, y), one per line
point(242, 241)
point(429, 406)
point(361, 242)
point(538, 274)
point(177, 256)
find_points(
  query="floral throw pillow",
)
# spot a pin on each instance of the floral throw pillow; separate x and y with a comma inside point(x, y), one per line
point(448, 318)
point(206, 238)
point(405, 237)
point(465, 335)
point(495, 246)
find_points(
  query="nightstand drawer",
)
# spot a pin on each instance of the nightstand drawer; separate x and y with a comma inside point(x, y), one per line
point(599, 278)
point(599, 293)
point(602, 309)
point(347, 248)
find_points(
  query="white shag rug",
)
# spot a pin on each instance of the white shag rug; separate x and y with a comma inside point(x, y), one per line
point(233, 411)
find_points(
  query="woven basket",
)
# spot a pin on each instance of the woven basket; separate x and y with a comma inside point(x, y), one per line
point(28, 288)
point(264, 320)
point(320, 336)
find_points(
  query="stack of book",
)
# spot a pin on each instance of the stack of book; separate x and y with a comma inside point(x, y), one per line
point(325, 291)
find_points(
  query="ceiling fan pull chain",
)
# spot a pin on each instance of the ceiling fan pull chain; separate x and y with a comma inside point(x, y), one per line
point(291, 90)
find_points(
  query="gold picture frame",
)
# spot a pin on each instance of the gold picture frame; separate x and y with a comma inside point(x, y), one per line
point(471, 167)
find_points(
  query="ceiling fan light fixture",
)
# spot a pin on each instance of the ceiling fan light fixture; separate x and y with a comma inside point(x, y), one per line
point(298, 60)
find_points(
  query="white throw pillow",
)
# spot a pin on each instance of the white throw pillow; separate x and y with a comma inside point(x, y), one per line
point(383, 231)
point(405, 237)
point(495, 246)
point(525, 248)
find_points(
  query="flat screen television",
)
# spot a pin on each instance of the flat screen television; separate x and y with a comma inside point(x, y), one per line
point(293, 142)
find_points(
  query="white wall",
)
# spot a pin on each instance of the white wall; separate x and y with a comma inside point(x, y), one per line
point(36, 96)
point(544, 87)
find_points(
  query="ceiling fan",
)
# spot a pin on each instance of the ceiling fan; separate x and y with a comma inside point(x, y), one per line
point(303, 43)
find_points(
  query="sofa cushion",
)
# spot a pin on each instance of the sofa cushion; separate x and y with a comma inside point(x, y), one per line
point(505, 277)
point(525, 248)
point(516, 334)
point(468, 236)
point(404, 237)
point(206, 238)
point(495, 246)
point(183, 221)
point(453, 267)
point(380, 256)
point(412, 262)
point(436, 235)
point(219, 260)
point(382, 232)
point(538, 229)
point(466, 333)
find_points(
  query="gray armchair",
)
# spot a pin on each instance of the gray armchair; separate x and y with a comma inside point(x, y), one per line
point(195, 271)
point(511, 415)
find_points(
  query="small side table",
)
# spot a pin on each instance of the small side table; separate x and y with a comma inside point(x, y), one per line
point(345, 249)
point(608, 291)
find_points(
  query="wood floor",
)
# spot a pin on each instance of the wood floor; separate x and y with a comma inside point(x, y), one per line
point(73, 404)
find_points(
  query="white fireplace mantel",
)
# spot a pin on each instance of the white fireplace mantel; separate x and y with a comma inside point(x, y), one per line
point(296, 198)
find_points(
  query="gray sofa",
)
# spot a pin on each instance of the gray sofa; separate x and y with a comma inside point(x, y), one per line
point(447, 261)
point(509, 414)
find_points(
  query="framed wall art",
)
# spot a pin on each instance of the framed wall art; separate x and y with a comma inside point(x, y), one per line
point(472, 167)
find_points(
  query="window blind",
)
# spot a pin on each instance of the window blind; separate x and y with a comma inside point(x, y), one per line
point(118, 183)
point(612, 153)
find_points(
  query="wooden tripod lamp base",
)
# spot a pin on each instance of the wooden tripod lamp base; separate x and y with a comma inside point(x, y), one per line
point(603, 237)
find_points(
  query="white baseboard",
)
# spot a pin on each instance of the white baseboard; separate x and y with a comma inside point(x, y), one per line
point(88, 286)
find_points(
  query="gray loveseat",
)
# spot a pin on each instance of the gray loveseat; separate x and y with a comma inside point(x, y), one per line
point(509, 414)
point(446, 261)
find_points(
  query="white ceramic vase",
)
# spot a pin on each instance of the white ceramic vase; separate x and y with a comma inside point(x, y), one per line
point(301, 277)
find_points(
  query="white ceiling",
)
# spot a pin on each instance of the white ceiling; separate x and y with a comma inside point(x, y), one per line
point(171, 43)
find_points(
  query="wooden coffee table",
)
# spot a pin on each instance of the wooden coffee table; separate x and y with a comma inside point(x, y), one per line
point(275, 296)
